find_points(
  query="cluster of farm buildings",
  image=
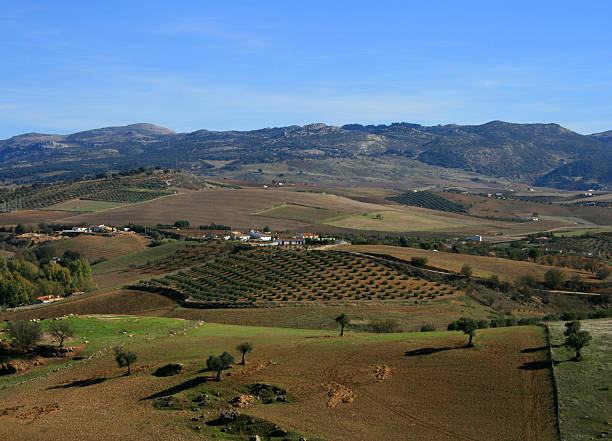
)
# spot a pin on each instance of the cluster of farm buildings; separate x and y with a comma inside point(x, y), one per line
point(263, 238)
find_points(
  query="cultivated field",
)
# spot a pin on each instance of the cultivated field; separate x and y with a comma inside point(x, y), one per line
point(84, 206)
point(483, 266)
point(584, 387)
point(94, 246)
point(302, 213)
point(278, 276)
point(248, 208)
point(362, 386)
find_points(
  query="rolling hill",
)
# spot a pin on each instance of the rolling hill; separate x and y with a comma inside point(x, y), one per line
point(525, 152)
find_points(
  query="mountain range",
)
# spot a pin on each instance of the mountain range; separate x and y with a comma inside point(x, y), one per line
point(535, 154)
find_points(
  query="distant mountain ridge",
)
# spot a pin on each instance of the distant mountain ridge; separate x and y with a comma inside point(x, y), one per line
point(546, 154)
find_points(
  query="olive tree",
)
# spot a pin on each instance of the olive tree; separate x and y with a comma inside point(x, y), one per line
point(467, 326)
point(577, 341)
point(124, 358)
point(572, 328)
point(243, 348)
point(61, 330)
point(467, 271)
point(219, 363)
point(343, 320)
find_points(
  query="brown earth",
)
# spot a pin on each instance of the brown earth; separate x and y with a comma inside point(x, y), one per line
point(113, 302)
point(500, 390)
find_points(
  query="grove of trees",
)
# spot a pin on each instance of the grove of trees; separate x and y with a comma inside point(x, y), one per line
point(22, 281)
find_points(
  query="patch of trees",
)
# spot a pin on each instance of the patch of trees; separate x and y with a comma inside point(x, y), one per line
point(21, 281)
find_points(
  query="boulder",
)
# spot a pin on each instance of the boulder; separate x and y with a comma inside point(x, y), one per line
point(169, 370)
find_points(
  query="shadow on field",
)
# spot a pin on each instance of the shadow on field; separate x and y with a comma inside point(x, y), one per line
point(530, 350)
point(535, 365)
point(427, 351)
point(80, 383)
point(180, 387)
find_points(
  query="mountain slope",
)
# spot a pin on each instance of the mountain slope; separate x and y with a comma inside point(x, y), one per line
point(527, 152)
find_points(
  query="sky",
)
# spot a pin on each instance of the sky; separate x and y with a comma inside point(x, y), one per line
point(187, 65)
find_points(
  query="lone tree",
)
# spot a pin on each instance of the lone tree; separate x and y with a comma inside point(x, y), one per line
point(553, 278)
point(219, 363)
point(342, 320)
point(467, 271)
point(124, 357)
point(243, 348)
point(468, 326)
point(572, 328)
point(24, 334)
point(577, 341)
point(61, 330)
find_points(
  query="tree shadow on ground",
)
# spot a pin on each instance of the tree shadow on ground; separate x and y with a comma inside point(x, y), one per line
point(427, 351)
point(535, 365)
point(180, 387)
point(80, 383)
point(530, 350)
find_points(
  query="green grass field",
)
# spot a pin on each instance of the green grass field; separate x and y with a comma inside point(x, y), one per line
point(84, 206)
point(138, 258)
point(314, 215)
point(584, 387)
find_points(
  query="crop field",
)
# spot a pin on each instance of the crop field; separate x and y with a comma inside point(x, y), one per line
point(584, 387)
point(84, 206)
point(362, 386)
point(95, 247)
point(138, 258)
point(427, 199)
point(233, 207)
point(314, 215)
point(483, 266)
point(278, 276)
point(399, 220)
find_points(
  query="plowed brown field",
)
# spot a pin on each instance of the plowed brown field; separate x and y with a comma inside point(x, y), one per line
point(434, 388)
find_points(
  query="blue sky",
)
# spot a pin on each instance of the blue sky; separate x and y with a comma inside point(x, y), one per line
point(187, 65)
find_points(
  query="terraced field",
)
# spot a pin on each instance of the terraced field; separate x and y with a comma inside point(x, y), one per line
point(278, 276)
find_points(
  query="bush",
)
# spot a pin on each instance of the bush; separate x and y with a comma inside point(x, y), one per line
point(427, 328)
point(24, 334)
point(482, 324)
point(553, 278)
point(419, 261)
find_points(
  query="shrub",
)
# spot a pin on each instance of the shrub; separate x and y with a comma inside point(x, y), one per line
point(428, 328)
point(24, 334)
point(419, 261)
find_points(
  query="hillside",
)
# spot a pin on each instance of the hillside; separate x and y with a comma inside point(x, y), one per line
point(495, 149)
